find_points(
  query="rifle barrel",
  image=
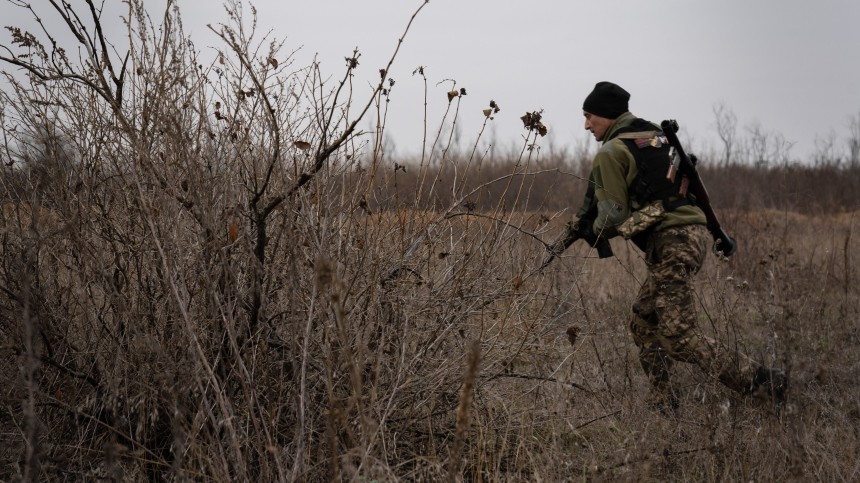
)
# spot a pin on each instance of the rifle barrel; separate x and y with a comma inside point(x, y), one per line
point(697, 189)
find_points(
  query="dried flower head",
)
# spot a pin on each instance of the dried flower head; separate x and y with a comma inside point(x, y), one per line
point(532, 122)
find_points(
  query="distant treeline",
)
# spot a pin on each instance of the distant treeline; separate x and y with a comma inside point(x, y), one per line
point(550, 184)
point(558, 184)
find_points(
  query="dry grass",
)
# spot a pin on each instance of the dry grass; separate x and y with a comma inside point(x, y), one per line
point(782, 299)
point(143, 352)
point(258, 296)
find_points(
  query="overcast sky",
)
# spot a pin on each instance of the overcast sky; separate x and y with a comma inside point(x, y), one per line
point(791, 66)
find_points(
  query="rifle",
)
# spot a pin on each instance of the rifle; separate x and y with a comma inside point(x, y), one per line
point(574, 231)
point(686, 165)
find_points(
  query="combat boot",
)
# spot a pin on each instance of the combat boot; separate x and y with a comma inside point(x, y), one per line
point(772, 382)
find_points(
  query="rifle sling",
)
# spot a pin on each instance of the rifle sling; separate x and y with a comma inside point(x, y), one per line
point(637, 135)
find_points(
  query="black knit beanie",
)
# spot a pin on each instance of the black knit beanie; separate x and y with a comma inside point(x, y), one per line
point(606, 100)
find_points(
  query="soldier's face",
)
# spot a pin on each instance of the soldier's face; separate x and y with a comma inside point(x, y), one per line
point(596, 124)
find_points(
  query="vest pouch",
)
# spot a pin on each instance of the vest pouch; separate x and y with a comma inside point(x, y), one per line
point(642, 219)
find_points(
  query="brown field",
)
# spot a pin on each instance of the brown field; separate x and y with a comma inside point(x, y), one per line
point(145, 347)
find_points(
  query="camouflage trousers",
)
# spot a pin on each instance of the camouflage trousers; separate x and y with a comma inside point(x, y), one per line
point(664, 314)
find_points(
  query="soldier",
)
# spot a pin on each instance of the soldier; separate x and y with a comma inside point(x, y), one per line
point(629, 195)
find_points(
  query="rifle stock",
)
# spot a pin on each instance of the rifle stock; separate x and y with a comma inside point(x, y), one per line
point(687, 167)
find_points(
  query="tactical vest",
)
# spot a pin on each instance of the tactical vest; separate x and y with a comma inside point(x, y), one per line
point(653, 156)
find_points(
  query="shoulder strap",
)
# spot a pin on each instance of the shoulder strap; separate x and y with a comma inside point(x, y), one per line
point(637, 129)
point(637, 135)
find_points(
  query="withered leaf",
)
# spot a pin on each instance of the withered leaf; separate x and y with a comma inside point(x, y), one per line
point(303, 145)
point(233, 231)
point(274, 62)
point(526, 119)
point(517, 282)
point(572, 333)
